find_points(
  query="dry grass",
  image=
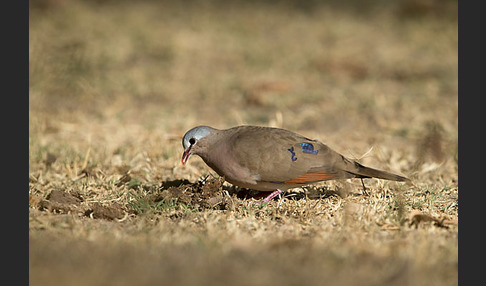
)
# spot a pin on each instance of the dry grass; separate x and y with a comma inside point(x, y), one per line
point(113, 87)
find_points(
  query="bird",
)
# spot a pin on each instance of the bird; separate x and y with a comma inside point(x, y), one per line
point(271, 159)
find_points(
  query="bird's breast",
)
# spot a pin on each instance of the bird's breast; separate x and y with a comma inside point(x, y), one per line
point(227, 166)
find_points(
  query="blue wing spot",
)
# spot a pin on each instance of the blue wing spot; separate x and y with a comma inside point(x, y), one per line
point(308, 148)
point(291, 150)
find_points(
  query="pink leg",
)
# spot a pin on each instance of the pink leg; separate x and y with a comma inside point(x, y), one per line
point(270, 197)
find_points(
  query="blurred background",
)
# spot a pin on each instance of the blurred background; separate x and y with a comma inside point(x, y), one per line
point(134, 75)
point(350, 73)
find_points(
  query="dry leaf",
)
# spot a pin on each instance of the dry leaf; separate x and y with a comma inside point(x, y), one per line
point(416, 217)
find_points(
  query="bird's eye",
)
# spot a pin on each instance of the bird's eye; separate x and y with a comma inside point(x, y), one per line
point(192, 141)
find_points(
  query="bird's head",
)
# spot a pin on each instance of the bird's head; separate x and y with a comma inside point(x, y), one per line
point(191, 139)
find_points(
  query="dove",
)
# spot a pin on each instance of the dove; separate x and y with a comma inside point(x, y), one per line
point(272, 159)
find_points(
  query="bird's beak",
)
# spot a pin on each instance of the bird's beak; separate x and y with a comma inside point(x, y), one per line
point(186, 155)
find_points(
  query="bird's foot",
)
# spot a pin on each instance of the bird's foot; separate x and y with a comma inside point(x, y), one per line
point(269, 197)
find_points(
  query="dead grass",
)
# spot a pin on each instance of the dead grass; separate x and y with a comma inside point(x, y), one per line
point(113, 87)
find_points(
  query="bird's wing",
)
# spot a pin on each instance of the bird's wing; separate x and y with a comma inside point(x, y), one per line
point(281, 156)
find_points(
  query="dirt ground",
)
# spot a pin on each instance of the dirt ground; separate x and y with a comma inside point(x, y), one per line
point(113, 86)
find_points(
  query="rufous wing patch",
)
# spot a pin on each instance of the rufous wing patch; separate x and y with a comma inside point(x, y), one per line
point(311, 177)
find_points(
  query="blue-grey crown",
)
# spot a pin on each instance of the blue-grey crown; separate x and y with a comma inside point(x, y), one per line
point(195, 134)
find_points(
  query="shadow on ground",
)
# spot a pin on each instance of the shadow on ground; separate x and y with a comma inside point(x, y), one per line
point(207, 193)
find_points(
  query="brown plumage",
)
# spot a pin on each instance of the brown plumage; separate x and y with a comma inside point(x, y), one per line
point(272, 159)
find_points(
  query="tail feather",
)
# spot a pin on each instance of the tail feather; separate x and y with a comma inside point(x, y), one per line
point(367, 172)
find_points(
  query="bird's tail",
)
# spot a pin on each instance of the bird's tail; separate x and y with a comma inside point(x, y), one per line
point(367, 172)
